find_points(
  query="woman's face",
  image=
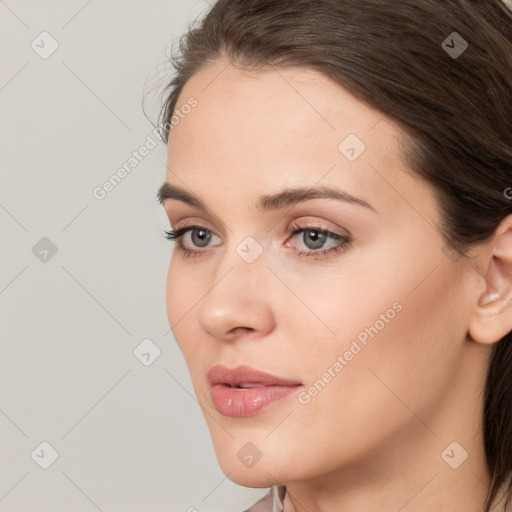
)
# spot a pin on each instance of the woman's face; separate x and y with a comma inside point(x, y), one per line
point(352, 297)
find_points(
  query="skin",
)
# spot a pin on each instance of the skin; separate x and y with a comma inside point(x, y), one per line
point(372, 438)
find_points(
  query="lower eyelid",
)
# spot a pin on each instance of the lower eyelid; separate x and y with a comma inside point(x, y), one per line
point(311, 254)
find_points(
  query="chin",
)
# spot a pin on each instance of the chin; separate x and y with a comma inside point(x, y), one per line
point(262, 471)
point(252, 477)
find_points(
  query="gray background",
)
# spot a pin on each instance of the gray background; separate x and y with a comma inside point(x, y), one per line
point(129, 437)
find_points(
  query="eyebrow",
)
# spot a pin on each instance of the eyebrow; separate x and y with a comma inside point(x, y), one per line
point(283, 199)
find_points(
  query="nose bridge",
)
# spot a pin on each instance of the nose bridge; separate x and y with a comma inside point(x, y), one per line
point(237, 297)
point(245, 259)
point(242, 272)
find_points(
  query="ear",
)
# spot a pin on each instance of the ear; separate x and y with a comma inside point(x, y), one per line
point(491, 318)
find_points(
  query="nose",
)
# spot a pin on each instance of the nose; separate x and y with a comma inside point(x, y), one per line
point(238, 303)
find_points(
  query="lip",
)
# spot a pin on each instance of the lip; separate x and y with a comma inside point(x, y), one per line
point(234, 402)
point(220, 374)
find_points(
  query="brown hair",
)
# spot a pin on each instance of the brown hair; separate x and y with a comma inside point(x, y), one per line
point(456, 111)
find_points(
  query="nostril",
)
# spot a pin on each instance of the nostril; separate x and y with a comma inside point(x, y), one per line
point(240, 331)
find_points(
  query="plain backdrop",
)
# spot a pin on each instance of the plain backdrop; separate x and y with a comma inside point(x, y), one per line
point(92, 417)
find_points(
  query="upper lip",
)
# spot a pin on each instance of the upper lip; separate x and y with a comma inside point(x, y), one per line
point(220, 374)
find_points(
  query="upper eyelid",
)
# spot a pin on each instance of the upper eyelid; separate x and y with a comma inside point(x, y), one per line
point(190, 227)
point(192, 219)
point(293, 228)
point(225, 228)
point(303, 225)
point(191, 224)
point(307, 223)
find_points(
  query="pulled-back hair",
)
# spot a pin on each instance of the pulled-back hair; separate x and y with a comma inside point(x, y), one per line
point(455, 112)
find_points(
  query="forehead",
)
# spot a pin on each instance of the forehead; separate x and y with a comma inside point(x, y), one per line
point(293, 102)
point(254, 131)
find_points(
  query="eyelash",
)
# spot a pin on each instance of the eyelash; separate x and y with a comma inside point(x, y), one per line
point(177, 235)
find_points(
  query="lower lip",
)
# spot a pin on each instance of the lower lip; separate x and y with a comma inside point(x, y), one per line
point(238, 403)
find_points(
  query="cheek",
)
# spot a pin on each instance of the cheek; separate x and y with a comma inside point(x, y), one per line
point(393, 318)
point(182, 293)
point(174, 289)
point(383, 355)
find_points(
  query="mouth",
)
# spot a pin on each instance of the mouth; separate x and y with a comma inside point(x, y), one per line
point(245, 391)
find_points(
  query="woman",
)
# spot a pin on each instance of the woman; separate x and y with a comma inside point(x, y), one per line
point(341, 288)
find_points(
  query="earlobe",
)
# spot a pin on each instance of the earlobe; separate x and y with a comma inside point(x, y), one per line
point(491, 319)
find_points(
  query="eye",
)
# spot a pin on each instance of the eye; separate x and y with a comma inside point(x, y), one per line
point(191, 237)
point(316, 240)
point(194, 240)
